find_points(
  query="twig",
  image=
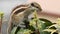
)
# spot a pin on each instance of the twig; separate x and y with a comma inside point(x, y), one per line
point(1, 19)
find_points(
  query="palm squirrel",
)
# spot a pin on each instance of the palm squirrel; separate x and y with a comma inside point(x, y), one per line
point(21, 13)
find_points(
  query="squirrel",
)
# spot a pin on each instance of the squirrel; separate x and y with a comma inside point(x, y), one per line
point(21, 13)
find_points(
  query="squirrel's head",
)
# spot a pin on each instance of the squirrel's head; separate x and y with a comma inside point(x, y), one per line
point(35, 6)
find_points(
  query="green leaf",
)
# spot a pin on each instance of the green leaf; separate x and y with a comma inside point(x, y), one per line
point(50, 30)
point(1, 14)
point(45, 24)
point(14, 30)
point(24, 31)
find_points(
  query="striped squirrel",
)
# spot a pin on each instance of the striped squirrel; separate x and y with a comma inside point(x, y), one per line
point(21, 13)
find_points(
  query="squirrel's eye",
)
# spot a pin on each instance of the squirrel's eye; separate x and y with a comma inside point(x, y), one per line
point(32, 4)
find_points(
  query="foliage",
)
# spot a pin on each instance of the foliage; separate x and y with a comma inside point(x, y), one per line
point(24, 31)
point(1, 14)
point(35, 26)
point(57, 26)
